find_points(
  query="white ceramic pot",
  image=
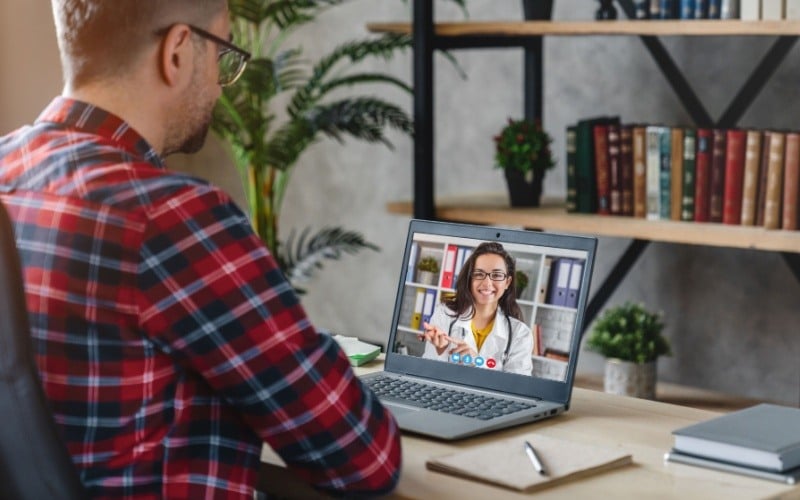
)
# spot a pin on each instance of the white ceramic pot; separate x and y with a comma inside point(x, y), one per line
point(630, 379)
point(426, 278)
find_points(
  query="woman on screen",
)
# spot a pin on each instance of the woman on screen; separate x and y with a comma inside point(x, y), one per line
point(481, 325)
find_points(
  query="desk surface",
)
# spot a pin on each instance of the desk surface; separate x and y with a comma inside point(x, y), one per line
point(640, 427)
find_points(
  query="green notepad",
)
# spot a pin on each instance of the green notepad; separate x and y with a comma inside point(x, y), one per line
point(357, 352)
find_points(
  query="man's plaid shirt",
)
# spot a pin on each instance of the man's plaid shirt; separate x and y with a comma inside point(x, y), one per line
point(169, 343)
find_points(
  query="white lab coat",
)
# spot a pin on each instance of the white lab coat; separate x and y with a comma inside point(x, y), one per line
point(493, 348)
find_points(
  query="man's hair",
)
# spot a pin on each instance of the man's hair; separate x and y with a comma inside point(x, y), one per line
point(99, 39)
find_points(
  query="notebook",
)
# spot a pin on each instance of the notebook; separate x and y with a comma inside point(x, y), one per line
point(505, 463)
point(512, 379)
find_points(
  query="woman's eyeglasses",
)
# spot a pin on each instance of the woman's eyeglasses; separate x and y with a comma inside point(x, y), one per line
point(494, 275)
point(231, 59)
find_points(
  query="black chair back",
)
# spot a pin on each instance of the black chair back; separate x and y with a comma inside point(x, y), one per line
point(34, 462)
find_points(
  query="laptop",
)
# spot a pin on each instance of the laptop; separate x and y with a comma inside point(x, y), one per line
point(512, 379)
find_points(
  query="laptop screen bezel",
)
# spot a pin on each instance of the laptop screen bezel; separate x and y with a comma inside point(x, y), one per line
point(521, 385)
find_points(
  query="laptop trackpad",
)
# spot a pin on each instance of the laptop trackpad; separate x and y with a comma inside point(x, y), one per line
point(398, 410)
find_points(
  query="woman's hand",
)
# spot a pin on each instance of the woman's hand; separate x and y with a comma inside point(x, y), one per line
point(435, 336)
point(462, 348)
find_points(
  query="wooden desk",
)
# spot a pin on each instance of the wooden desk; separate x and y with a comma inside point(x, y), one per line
point(640, 427)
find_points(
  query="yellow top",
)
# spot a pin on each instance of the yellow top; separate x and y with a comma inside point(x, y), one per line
point(480, 335)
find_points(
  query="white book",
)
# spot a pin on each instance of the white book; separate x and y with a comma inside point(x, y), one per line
point(773, 10)
point(653, 172)
point(750, 10)
point(792, 9)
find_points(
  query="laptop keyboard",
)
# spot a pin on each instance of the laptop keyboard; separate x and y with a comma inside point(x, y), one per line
point(445, 400)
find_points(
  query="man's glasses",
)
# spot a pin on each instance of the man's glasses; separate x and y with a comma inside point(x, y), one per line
point(231, 59)
point(494, 275)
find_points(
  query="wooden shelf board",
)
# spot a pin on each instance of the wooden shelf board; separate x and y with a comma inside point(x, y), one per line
point(617, 27)
point(551, 216)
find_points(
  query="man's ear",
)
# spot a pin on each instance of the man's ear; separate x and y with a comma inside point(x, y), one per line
point(175, 57)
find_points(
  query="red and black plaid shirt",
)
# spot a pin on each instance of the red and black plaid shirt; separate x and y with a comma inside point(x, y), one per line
point(168, 341)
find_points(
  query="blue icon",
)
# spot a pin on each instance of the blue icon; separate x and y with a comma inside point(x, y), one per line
point(478, 361)
point(467, 359)
point(455, 358)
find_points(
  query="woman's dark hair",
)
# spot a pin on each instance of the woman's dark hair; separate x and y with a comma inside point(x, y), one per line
point(463, 301)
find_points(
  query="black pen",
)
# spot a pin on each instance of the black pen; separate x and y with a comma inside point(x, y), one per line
point(535, 459)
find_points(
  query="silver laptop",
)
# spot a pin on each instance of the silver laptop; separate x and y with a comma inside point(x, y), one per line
point(524, 369)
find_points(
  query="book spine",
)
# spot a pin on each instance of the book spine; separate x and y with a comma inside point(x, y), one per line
point(750, 10)
point(614, 169)
point(602, 168)
point(584, 168)
point(734, 176)
point(689, 151)
point(653, 145)
point(572, 180)
point(676, 173)
point(772, 202)
point(714, 9)
point(792, 10)
point(717, 185)
point(641, 9)
point(752, 158)
point(701, 9)
point(639, 172)
point(626, 167)
point(655, 9)
point(791, 181)
point(665, 180)
point(687, 9)
point(763, 171)
point(705, 143)
point(773, 10)
point(729, 9)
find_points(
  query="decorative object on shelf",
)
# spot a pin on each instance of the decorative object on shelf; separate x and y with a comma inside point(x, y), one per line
point(606, 11)
point(428, 271)
point(284, 103)
point(522, 150)
point(520, 281)
point(630, 338)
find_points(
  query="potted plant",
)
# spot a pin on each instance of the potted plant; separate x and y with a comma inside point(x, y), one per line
point(522, 150)
point(520, 281)
point(630, 338)
point(428, 271)
point(284, 103)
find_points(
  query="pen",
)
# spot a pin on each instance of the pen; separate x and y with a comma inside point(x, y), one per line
point(535, 459)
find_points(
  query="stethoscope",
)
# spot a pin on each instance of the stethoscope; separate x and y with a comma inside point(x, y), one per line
point(508, 340)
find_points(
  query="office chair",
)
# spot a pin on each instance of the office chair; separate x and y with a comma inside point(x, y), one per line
point(34, 462)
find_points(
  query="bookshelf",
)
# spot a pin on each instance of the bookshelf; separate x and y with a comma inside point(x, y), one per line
point(528, 34)
point(545, 308)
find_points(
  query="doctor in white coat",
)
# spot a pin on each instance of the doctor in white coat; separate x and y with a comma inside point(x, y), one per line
point(482, 324)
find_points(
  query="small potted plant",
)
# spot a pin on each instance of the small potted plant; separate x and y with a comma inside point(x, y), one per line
point(521, 282)
point(428, 271)
point(522, 150)
point(630, 338)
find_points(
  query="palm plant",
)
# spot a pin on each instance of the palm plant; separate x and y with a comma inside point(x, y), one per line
point(266, 142)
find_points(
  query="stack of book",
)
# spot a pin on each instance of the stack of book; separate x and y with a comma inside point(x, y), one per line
point(746, 177)
point(761, 441)
point(746, 10)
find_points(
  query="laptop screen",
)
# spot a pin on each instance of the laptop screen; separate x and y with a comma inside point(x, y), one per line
point(453, 274)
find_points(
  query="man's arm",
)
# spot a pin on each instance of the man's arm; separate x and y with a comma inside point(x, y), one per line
point(214, 297)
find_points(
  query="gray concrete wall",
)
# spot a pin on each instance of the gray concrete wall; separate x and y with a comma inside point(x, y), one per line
point(731, 315)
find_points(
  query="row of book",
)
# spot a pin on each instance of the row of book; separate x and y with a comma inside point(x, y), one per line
point(733, 176)
point(746, 10)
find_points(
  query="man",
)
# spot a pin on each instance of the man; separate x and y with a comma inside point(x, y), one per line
point(169, 343)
